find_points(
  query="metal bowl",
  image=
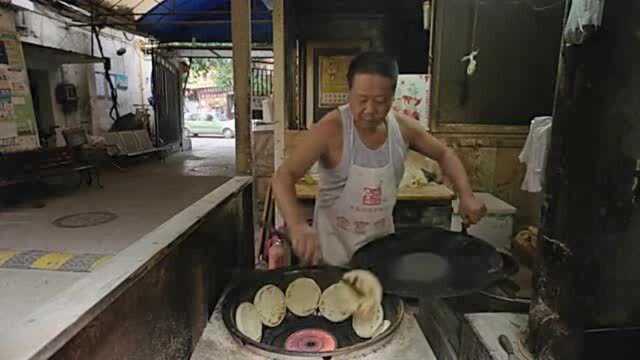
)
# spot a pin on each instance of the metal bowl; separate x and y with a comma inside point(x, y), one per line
point(273, 338)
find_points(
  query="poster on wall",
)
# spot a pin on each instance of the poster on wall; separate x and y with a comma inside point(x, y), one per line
point(6, 106)
point(122, 81)
point(8, 125)
point(101, 84)
point(18, 128)
point(412, 97)
point(334, 89)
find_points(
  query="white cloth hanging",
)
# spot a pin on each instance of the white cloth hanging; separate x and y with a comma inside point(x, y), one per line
point(534, 153)
point(583, 13)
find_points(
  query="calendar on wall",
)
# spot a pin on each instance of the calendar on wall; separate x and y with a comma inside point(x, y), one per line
point(326, 66)
point(334, 89)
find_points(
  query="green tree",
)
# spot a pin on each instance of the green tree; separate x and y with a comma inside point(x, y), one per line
point(220, 70)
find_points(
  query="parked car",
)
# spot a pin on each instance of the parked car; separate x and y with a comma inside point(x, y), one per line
point(210, 123)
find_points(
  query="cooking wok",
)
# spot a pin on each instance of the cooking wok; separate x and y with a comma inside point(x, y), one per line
point(428, 262)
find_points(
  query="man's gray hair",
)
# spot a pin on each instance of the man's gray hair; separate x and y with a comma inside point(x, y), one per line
point(373, 62)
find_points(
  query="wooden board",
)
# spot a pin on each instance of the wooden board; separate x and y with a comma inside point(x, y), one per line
point(426, 193)
point(263, 152)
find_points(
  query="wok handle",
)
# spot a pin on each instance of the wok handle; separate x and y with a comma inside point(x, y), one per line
point(506, 345)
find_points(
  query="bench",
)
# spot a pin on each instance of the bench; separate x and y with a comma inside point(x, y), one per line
point(132, 143)
point(62, 161)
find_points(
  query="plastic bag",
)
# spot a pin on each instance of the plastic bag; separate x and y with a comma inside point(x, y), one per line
point(585, 17)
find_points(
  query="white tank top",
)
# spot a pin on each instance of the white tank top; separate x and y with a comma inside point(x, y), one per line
point(356, 200)
point(331, 181)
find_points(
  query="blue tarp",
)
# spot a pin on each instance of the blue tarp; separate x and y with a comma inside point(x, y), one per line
point(186, 21)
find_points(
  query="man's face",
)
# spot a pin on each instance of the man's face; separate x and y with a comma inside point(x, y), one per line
point(370, 99)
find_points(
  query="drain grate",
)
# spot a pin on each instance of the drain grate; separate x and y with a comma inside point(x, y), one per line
point(87, 219)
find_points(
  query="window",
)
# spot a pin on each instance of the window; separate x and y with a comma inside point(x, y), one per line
point(518, 47)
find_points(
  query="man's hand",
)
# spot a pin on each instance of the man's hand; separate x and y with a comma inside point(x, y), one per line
point(472, 209)
point(304, 240)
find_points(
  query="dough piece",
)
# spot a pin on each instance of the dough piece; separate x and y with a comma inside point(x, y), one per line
point(269, 302)
point(367, 285)
point(338, 302)
point(302, 296)
point(383, 327)
point(365, 323)
point(248, 321)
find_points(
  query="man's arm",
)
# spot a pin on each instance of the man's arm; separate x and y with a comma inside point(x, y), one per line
point(314, 145)
point(424, 143)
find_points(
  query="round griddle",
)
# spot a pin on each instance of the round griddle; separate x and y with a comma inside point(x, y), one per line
point(273, 339)
point(433, 263)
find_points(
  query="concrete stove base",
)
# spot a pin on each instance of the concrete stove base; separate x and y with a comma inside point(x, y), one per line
point(407, 343)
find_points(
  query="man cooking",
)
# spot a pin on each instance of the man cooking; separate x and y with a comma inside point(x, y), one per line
point(361, 149)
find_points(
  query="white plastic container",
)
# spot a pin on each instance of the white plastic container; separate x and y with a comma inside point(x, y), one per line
point(495, 228)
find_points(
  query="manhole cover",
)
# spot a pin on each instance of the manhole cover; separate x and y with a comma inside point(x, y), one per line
point(85, 219)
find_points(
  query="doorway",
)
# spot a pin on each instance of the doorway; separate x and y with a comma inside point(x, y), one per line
point(42, 104)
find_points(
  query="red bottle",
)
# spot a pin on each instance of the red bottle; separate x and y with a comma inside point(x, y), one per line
point(279, 255)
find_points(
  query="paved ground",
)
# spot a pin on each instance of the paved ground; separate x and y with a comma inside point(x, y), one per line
point(211, 156)
point(142, 197)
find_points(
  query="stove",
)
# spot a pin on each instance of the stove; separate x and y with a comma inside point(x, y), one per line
point(217, 342)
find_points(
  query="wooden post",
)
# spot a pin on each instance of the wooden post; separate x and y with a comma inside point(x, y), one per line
point(587, 272)
point(279, 86)
point(279, 80)
point(241, 38)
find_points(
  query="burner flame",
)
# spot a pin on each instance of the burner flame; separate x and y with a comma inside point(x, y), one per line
point(311, 341)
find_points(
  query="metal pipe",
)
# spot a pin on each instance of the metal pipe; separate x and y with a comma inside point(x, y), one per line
point(172, 13)
point(204, 46)
point(171, 22)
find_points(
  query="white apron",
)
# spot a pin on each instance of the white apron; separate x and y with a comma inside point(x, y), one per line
point(362, 213)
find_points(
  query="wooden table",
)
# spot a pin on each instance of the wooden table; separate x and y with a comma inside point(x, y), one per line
point(428, 205)
point(429, 193)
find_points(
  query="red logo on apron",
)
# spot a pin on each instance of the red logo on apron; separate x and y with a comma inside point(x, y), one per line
point(372, 196)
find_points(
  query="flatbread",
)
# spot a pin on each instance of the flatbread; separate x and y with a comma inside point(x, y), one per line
point(368, 285)
point(302, 296)
point(382, 328)
point(365, 323)
point(269, 302)
point(338, 302)
point(248, 321)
